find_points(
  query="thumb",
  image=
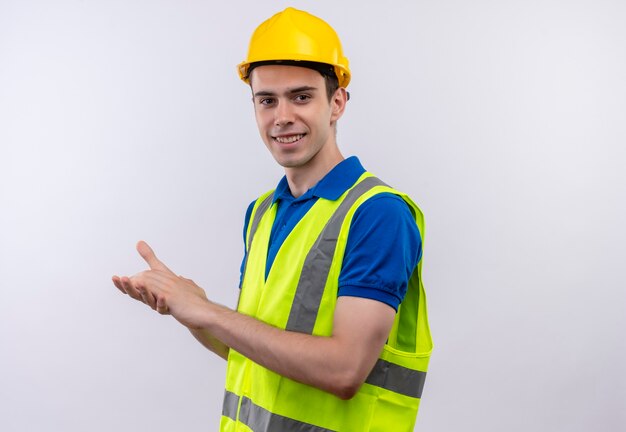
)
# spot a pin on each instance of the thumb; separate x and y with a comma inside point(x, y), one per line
point(148, 255)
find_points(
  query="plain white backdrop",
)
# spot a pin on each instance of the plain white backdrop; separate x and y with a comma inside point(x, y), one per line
point(125, 120)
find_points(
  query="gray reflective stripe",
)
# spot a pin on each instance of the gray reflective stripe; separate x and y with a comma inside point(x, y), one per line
point(397, 378)
point(231, 403)
point(306, 302)
point(261, 420)
point(260, 211)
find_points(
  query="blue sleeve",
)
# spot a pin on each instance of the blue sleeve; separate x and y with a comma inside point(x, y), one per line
point(245, 229)
point(383, 248)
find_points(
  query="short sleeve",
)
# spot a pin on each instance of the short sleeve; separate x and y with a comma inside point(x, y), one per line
point(383, 248)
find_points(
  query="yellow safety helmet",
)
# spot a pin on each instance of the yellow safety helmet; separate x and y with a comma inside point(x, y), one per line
point(292, 36)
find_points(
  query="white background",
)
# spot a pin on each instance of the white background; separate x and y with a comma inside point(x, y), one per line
point(125, 120)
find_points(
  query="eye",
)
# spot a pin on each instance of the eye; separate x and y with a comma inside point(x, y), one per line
point(302, 98)
point(266, 101)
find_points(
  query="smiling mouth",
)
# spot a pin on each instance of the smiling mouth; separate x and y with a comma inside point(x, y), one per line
point(288, 139)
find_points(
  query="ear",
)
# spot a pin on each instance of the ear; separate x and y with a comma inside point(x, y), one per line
point(338, 103)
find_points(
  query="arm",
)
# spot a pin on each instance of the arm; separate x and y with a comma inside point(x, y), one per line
point(210, 342)
point(338, 364)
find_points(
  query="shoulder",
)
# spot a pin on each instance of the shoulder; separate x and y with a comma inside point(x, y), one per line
point(382, 250)
point(384, 211)
point(386, 204)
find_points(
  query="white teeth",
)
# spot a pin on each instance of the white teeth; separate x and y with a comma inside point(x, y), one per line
point(289, 139)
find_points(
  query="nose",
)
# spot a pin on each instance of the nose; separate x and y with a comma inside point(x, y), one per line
point(283, 114)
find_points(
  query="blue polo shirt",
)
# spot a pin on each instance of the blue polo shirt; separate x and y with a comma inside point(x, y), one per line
point(383, 246)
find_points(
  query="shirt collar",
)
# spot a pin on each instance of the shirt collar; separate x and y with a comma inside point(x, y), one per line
point(331, 186)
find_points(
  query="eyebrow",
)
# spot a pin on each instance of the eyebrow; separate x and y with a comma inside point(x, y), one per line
point(288, 92)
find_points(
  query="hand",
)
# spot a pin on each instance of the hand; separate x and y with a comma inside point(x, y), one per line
point(164, 291)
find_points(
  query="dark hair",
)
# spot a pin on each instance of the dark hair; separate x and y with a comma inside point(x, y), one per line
point(332, 84)
point(326, 70)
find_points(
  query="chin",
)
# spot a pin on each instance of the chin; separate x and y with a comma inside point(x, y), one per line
point(290, 162)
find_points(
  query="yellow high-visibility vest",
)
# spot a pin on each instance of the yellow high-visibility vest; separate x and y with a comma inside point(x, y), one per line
point(300, 294)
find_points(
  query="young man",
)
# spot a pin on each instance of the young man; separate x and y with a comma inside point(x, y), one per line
point(330, 333)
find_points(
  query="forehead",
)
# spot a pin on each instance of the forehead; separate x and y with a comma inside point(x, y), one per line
point(276, 77)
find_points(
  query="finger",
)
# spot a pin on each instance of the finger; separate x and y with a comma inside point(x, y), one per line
point(161, 306)
point(118, 283)
point(127, 286)
point(148, 298)
point(138, 289)
point(148, 255)
point(130, 289)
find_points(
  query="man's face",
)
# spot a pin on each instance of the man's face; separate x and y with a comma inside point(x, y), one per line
point(294, 116)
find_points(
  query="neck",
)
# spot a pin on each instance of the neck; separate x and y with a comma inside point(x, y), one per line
point(303, 178)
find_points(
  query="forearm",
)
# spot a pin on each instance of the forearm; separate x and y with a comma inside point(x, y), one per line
point(210, 342)
point(326, 369)
point(308, 359)
point(338, 363)
point(333, 363)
